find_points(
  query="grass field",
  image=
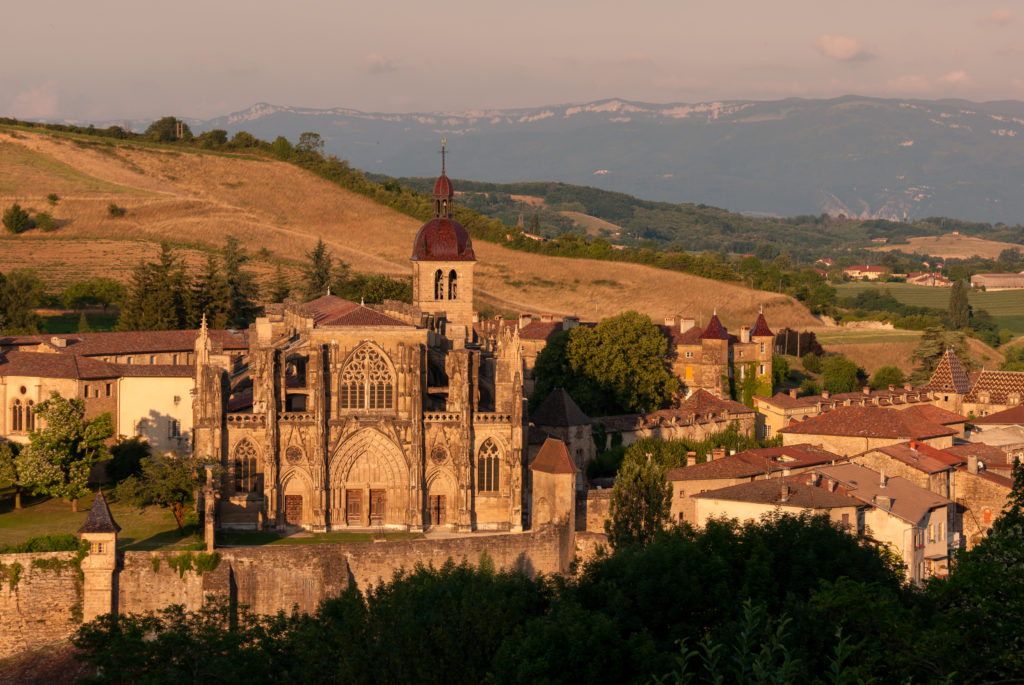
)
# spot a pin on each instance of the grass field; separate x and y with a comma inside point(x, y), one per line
point(1005, 306)
point(195, 198)
point(68, 323)
point(952, 246)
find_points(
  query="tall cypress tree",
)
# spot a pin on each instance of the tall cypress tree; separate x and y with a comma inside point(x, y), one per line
point(319, 271)
point(959, 309)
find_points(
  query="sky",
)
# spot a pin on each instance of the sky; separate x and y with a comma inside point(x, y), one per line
point(112, 60)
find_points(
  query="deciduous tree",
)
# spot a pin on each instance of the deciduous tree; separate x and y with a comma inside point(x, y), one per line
point(640, 503)
point(164, 480)
point(58, 457)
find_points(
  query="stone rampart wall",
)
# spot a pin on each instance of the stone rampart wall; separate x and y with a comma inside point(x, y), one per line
point(38, 601)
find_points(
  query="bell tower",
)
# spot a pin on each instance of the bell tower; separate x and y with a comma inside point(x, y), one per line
point(443, 259)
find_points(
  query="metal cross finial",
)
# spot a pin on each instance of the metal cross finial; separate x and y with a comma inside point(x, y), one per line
point(444, 141)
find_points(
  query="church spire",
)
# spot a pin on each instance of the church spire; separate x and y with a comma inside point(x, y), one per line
point(443, 189)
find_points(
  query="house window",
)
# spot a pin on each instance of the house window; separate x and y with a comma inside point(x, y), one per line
point(30, 417)
point(367, 381)
point(941, 531)
point(487, 468)
point(689, 355)
point(108, 389)
point(846, 522)
point(97, 548)
point(174, 428)
point(760, 370)
point(86, 393)
point(931, 533)
point(152, 359)
point(762, 348)
point(452, 285)
point(174, 359)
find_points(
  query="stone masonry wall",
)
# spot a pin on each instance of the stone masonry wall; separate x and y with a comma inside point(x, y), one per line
point(38, 608)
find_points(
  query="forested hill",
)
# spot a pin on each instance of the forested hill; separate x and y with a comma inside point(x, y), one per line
point(553, 209)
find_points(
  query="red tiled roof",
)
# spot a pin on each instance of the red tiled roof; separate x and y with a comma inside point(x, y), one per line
point(755, 462)
point(772, 490)
point(539, 330)
point(129, 342)
point(443, 239)
point(702, 403)
point(43, 365)
point(907, 501)
point(677, 337)
point(924, 458)
point(330, 310)
point(987, 453)
point(553, 458)
point(869, 422)
point(949, 375)
point(929, 412)
point(1013, 415)
point(715, 330)
point(154, 370)
point(999, 385)
point(761, 327)
point(559, 409)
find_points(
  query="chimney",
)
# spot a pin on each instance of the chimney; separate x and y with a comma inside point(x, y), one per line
point(524, 320)
point(882, 480)
point(908, 387)
point(914, 444)
point(883, 502)
point(784, 495)
point(825, 394)
point(831, 485)
point(476, 317)
point(972, 464)
point(547, 318)
point(792, 393)
point(671, 320)
point(815, 479)
point(866, 389)
point(744, 334)
point(719, 452)
point(59, 342)
point(686, 324)
point(892, 388)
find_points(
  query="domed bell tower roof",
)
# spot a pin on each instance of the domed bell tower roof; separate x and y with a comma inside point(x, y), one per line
point(442, 238)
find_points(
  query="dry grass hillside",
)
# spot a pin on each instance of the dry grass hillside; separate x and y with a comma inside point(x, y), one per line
point(952, 246)
point(194, 197)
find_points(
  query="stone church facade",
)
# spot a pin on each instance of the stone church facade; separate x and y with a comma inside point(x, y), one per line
point(347, 417)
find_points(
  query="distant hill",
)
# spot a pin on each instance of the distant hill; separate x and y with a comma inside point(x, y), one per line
point(196, 198)
point(858, 156)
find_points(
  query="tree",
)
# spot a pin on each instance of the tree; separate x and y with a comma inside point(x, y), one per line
point(959, 309)
point(840, 374)
point(168, 129)
point(282, 148)
point(210, 296)
point(126, 457)
point(213, 139)
point(158, 296)
point(616, 367)
point(886, 376)
point(244, 139)
point(166, 481)
point(9, 469)
point(319, 272)
point(57, 459)
point(21, 292)
point(929, 351)
point(16, 219)
point(280, 288)
point(243, 291)
point(45, 222)
point(98, 290)
point(310, 143)
point(640, 503)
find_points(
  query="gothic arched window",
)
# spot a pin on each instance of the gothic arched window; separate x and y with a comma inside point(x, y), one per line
point(367, 381)
point(30, 417)
point(488, 469)
point(438, 285)
point(452, 285)
point(246, 468)
point(16, 417)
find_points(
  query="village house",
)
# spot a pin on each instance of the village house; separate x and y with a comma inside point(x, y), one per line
point(932, 279)
point(854, 429)
point(781, 409)
point(859, 272)
point(723, 471)
point(696, 418)
point(910, 520)
point(750, 502)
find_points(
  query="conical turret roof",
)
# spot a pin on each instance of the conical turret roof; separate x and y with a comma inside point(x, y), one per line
point(949, 375)
point(99, 519)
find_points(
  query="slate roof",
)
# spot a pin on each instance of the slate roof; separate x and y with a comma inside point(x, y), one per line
point(909, 502)
point(1011, 416)
point(559, 409)
point(998, 385)
point(770, 492)
point(99, 519)
point(755, 462)
point(553, 458)
point(869, 422)
point(127, 342)
point(949, 375)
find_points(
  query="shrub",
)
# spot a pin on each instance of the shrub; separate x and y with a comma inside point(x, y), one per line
point(45, 222)
point(809, 387)
point(811, 362)
point(114, 211)
point(52, 198)
point(16, 219)
point(54, 542)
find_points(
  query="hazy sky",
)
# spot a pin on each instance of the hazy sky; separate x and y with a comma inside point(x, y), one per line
point(109, 60)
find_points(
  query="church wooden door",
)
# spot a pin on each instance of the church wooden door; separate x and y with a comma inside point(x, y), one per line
point(437, 510)
point(378, 500)
point(293, 510)
point(354, 509)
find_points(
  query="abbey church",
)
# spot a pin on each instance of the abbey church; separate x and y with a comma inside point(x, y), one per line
point(340, 416)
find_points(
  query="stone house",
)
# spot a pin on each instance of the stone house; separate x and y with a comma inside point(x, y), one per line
point(854, 430)
point(697, 417)
point(910, 520)
point(974, 395)
point(749, 502)
point(723, 471)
